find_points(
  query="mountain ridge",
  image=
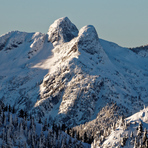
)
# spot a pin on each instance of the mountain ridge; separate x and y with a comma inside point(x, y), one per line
point(69, 78)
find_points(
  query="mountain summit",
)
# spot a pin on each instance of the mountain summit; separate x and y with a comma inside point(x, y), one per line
point(88, 39)
point(62, 30)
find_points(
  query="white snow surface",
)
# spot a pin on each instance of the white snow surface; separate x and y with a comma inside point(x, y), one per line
point(70, 75)
point(114, 139)
point(62, 30)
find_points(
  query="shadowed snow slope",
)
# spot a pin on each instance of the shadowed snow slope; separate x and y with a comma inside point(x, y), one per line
point(68, 75)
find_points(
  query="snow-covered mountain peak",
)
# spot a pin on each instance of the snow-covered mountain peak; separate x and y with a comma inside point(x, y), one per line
point(88, 30)
point(68, 76)
point(88, 39)
point(62, 30)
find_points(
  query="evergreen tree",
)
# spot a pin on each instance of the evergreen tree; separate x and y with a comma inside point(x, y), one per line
point(70, 144)
point(6, 108)
point(9, 108)
point(121, 122)
point(15, 122)
point(85, 137)
point(29, 138)
point(63, 143)
point(8, 138)
point(0, 110)
point(53, 127)
point(73, 133)
point(68, 131)
point(54, 139)
point(63, 127)
point(25, 145)
point(4, 121)
point(13, 110)
point(80, 145)
point(140, 144)
point(78, 135)
point(19, 145)
point(131, 136)
point(123, 141)
point(146, 143)
point(32, 124)
point(42, 137)
point(140, 129)
point(32, 142)
point(8, 116)
point(3, 118)
point(21, 113)
point(4, 145)
point(45, 127)
point(4, 135)
point(90, 140)
point(58, 142)
point(26, 130)
point(25, 115)
point(135, 143)
point(144, 136)
point(21, 129)
point(40, 121)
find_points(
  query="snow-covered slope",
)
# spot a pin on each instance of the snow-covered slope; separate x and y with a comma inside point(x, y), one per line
point(132, 132)
point(69, 75)
point(19, 81)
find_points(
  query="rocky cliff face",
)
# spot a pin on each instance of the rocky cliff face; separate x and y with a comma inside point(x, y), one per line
point(68, 75)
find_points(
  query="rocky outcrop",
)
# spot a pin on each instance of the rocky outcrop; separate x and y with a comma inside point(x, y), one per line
point(62, 30)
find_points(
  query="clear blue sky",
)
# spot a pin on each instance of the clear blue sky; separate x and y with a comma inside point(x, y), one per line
point(124, 22)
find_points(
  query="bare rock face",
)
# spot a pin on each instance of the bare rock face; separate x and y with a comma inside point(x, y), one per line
point(62, 30)
point(88, 39)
